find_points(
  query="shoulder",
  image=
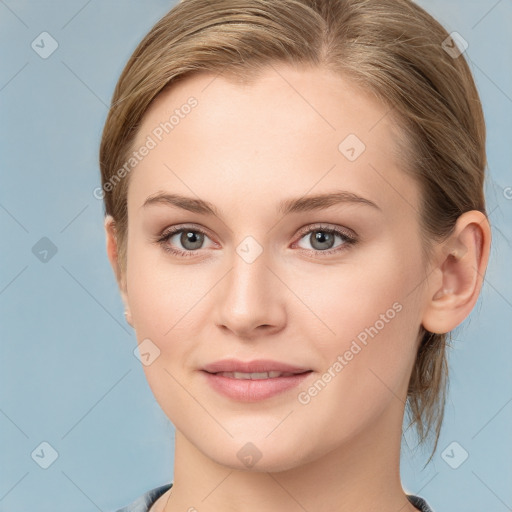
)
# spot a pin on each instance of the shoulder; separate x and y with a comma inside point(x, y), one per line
point(144, 502)
point(419, 503)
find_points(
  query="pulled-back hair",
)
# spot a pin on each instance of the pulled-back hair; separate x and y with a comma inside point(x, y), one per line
point(393, 49)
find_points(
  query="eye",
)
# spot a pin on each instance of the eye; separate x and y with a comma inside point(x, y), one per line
point(191, 238)
point(322, 239)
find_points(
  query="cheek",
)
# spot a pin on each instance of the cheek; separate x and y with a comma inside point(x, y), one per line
point(347, 298)
point(164, 303)
point(368, 358)
point(160, 293)
point(368, 314)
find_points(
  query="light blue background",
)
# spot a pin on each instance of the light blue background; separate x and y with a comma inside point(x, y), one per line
point(68, 373)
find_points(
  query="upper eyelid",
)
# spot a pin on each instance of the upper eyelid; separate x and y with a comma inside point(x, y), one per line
point(318, 226)
point(349, 233)
point(173, 230)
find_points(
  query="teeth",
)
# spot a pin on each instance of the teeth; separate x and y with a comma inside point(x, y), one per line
point(254, 376)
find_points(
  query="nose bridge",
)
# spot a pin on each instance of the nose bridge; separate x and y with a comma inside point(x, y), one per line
point(248, 280)
point(249, 296)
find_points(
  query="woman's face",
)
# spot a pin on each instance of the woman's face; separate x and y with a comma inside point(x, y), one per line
point(266, 280)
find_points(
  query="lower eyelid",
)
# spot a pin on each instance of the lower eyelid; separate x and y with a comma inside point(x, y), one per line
point(346, 241)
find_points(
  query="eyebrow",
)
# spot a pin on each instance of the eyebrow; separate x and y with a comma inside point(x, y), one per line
point(285, 207)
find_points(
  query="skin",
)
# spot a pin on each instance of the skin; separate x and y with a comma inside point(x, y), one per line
point(244, 148)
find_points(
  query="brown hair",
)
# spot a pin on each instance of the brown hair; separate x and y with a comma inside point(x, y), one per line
point(392, 48)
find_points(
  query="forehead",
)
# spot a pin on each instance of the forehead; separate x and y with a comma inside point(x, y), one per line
point(311, 97)
point(290, 130)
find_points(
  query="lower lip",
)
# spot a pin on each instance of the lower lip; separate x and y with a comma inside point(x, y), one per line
point(248, 390)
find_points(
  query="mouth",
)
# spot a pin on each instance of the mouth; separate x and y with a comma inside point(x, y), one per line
point(253, 381)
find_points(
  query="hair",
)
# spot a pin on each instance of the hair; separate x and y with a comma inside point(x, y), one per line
point(393, 49)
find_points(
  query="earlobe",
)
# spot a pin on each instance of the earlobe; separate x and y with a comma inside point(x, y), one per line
point(111, 242)
point(112, 253)
point(463, 259)
point(128, 316)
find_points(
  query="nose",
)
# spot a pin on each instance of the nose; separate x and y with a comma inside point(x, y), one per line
point(250, 300)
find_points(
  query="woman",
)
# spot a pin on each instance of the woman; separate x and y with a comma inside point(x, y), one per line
point(295, 217)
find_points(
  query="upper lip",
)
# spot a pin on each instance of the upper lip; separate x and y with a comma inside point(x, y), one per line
point(255, 366)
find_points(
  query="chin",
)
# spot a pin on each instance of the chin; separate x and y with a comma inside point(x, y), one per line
point(258, 457)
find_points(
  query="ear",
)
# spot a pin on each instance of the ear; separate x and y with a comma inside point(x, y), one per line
point(461, 263)
point(112, 253)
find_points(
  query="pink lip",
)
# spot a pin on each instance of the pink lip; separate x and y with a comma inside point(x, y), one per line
point(258, 365)
point(249, 390)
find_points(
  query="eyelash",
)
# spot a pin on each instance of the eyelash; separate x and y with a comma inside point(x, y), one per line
point(348, 240)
